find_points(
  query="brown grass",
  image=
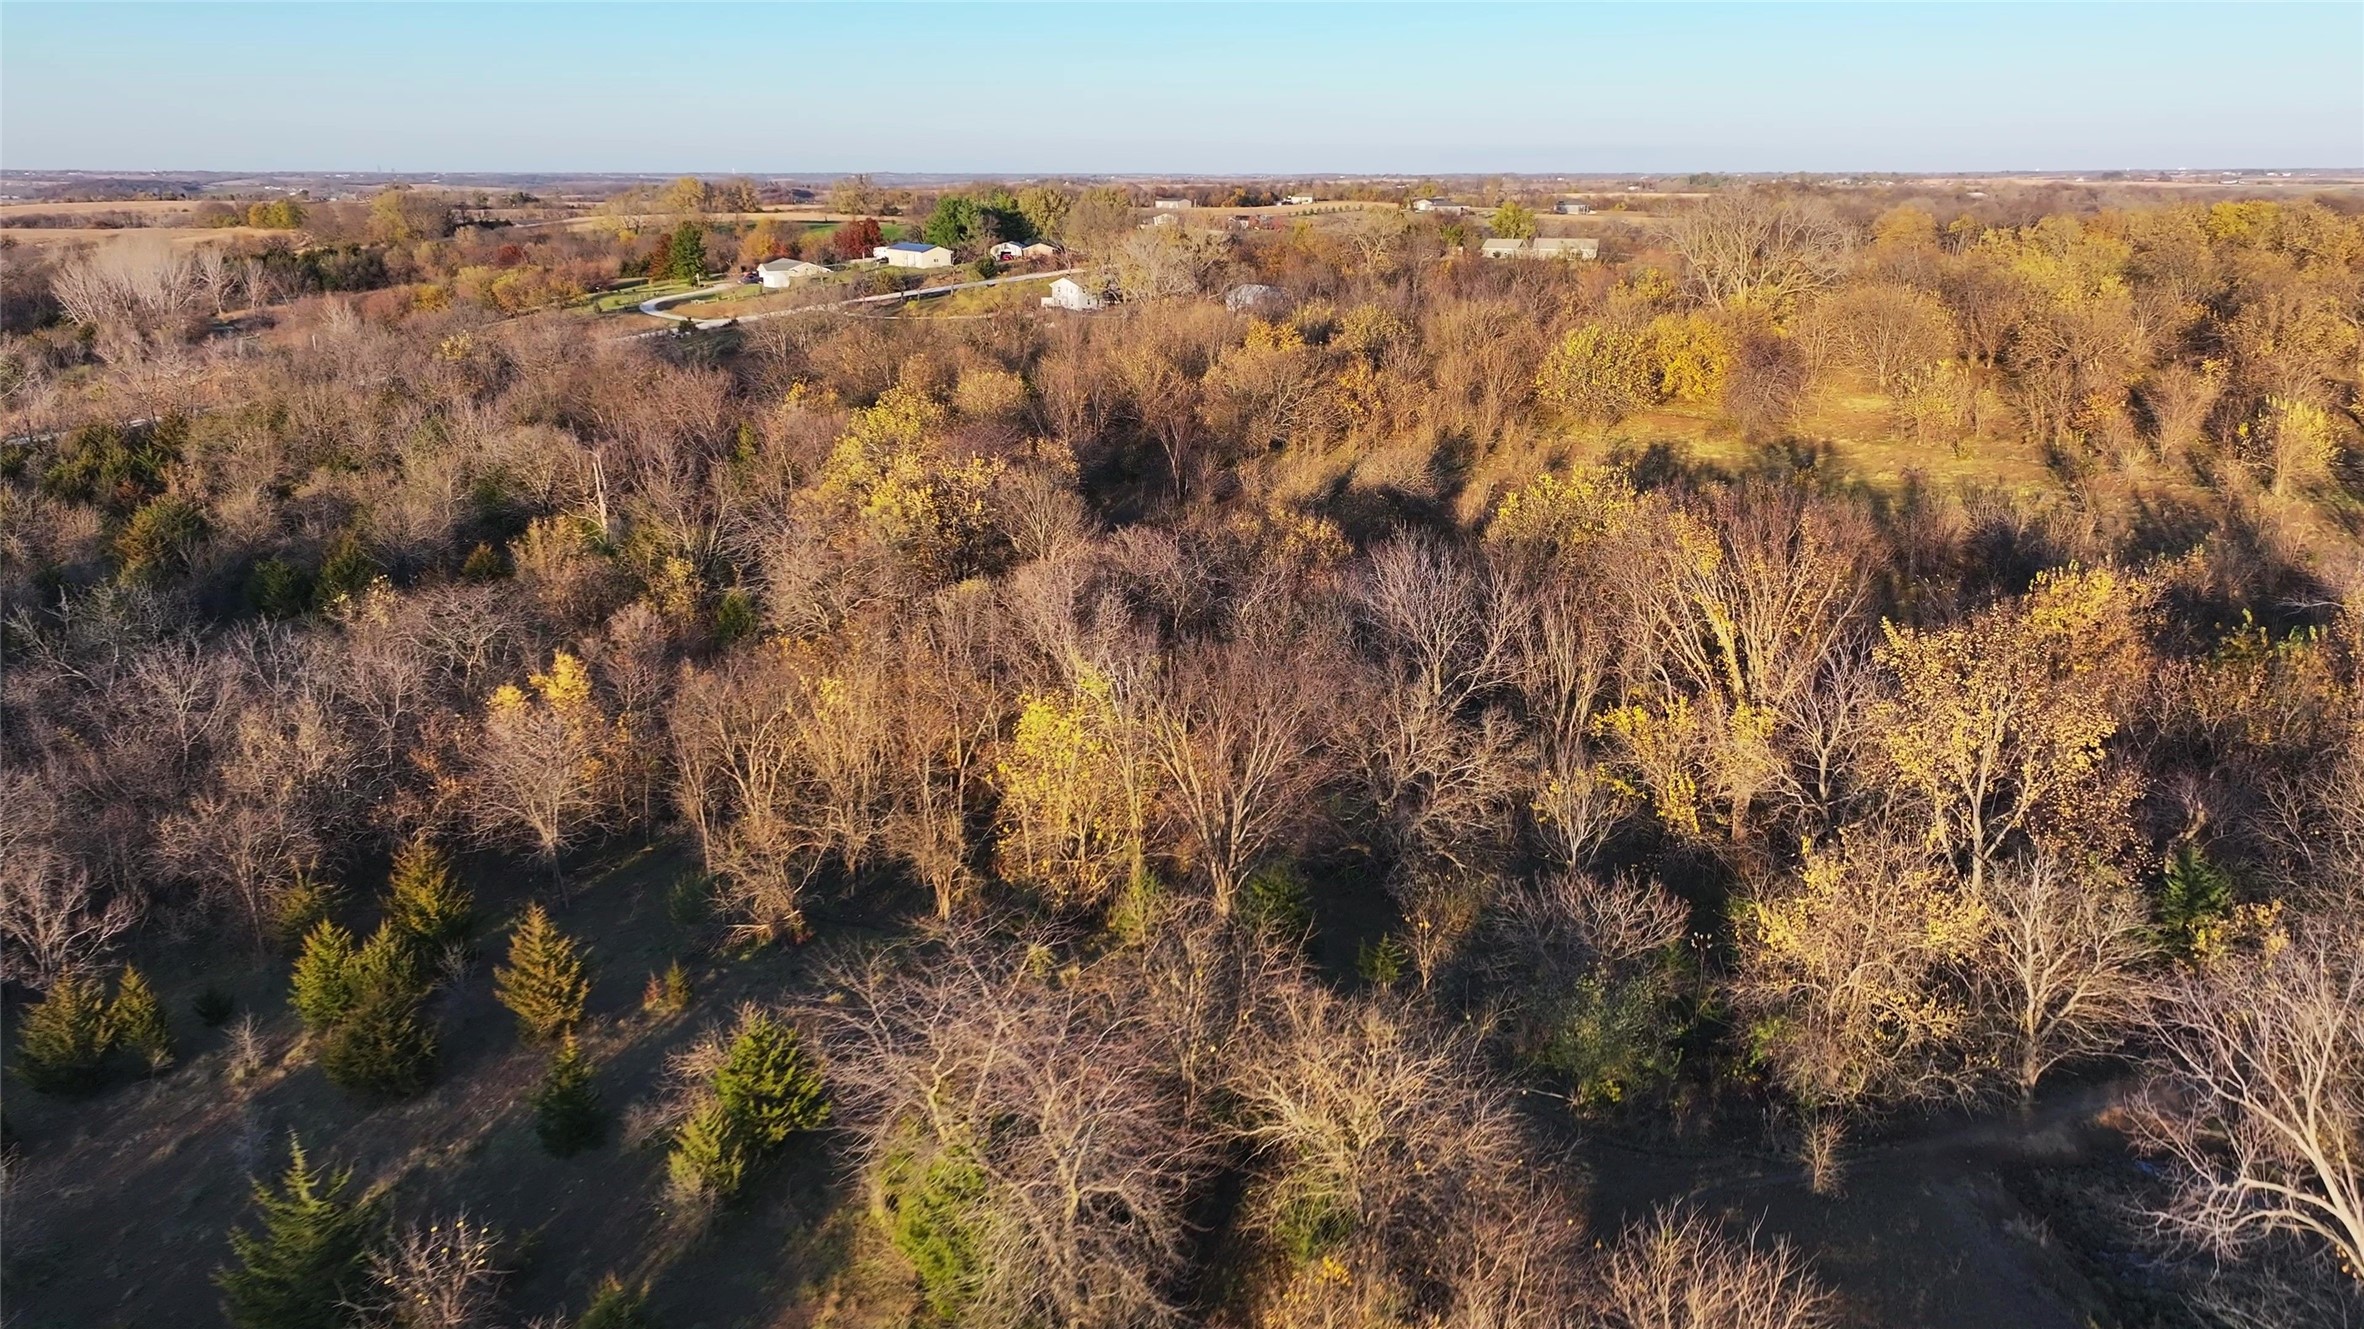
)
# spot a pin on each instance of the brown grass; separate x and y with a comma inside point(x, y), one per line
point(186, 236)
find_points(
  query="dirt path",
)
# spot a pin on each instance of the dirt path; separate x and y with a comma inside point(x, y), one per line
point(1925, 1233)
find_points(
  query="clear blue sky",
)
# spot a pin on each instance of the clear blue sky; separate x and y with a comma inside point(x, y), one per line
point(1199, 88)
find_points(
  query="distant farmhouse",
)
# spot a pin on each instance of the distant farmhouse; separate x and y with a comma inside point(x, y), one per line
point(1010, 251)
point(1541, 247)
point(1172, 204)
point(1569, 207)
point(913, 254)
point(781, 272)
point(1068, 293)
point(1438, 206)
point(1295, 199)
point(1255, 298)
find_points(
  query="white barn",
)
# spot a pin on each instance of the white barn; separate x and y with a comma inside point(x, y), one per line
point(781, 272)
point(1254, 298)
point(913, 254)
point(1541, 247)
point(1010, 251)
point(1550, 246)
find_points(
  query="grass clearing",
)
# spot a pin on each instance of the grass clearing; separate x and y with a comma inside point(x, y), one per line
point(625, 298)
point(184, 237)
point(193, 1136)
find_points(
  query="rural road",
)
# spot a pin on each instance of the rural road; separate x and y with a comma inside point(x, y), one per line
point(656, 308)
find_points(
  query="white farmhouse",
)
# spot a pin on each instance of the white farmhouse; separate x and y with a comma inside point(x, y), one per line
point(1068, 293)
point(1010, 251)
point(913, 254)
point(1297, 200)
point(1549, 246)
point(1171, 204)
point(1541, 247)
point(1569, 207)
point(783, 272)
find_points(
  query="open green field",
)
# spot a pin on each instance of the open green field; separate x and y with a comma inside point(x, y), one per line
point(628, 297)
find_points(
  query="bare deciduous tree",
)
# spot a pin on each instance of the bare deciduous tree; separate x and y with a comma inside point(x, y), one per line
point(2257, 1095)
point(1758, 248)
point(951, 708)
point(1237, 741)
point(1883, 330)
point(1747, 600)
point(1437, 767)
point(1034, 1122)
point(543, 770)
point(1078, 400)
point(444, 1274)
point(1679, 1269)
point(1163, 261)
point(1562, 662)
point(784, 763)
point(2063, 964)
point(1390, 1148)
point(1162, 390)
point(137, 295)
point(54, 919)
point(266, 818)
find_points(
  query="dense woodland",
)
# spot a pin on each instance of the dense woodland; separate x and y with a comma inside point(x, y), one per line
point(1175, 815)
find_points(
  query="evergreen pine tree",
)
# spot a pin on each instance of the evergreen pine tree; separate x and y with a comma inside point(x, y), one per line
point(310, 1257)
point(687, 257)
point(709, 1156)
point(768, 1086)
point(425, 902)
point(383, 1045)
point(484, 563)
point(543, 984)
point(567, 1118)
point(323, 984)
point(213, 1007)
point(62, 1040)
point(303, 905)
point(383, 1050)
point(345, 573)
point(667, 994)
point(2195, 894)
point(135, 1021)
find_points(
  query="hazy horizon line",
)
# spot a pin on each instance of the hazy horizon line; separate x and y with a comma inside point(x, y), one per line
point(981, 173)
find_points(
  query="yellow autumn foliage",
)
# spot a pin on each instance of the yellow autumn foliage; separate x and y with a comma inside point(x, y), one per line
point(1850, 974)
point(1694, 355)
point(890, 478)
point(1561, 511)
point(1997, 724)
point(1064, 826)
point(1661, 744)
